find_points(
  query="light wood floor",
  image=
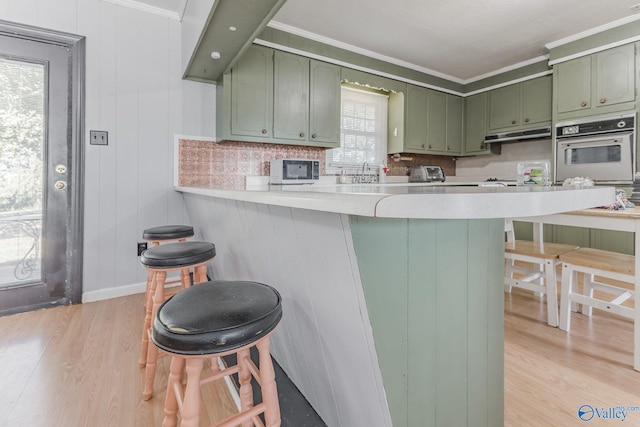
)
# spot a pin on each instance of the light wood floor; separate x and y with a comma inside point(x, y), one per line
point(77, 366)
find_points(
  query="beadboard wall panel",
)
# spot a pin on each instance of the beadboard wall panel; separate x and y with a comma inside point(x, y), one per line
point(135, 92)
point(309, 257)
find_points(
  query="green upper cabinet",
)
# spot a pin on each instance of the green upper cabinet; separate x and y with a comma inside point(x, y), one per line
point(436, 121)
point(290, 96)
point(433, 123)
point(520, 106)
point(536, 101)
point(252, 94)
point(603, 82)
point(572, 80)
point(324, 103)
point(455, 106)
point(475, 124)
point(504, 107)
point(416, 116)
point(279, 97)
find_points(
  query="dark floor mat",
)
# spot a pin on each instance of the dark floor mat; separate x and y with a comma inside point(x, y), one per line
point(295, 411)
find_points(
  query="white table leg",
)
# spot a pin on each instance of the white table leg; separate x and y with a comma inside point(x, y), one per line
point(636, 320)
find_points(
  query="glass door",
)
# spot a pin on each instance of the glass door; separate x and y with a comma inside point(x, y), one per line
point(22, 119)
point(39, 170)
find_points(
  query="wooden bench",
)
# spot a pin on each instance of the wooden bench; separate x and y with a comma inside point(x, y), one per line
point(542, 277)
point(592, 263)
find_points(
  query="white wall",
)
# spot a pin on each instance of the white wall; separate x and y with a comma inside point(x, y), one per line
point(504, 165)
point(135, 92)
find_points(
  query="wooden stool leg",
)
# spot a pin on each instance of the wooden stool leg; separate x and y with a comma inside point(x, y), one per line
point(268, 386)
point(244, 378)
point(200, 274)
point(191, 403)
point(152, 353)
point(148, 306)
point(171, 399)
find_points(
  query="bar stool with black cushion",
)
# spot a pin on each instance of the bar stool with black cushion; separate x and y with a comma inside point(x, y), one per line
point(211, 320)
point(167, 233)
point(618, 268)
point(164, 234)
point(536, 268)
point(188, 258)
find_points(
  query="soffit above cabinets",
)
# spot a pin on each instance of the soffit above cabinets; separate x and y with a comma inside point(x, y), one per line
point(230, 29)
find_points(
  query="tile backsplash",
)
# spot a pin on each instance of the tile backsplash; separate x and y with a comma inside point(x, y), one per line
point(204, 163)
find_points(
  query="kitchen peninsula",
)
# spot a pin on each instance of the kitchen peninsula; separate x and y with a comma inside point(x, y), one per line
point(393, 294)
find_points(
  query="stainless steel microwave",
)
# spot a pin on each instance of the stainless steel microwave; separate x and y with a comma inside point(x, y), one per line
point(294, 171)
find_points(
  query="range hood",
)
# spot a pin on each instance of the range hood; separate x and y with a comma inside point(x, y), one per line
point(495, 140)
point(518, 135)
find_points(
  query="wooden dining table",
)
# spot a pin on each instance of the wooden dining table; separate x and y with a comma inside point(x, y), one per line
point(605, 219)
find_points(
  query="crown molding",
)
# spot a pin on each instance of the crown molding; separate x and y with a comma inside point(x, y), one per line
point(592, 31)
point(365, 52)
point(133, 4)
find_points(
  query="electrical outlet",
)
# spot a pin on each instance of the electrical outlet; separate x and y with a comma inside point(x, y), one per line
point(98, 137)
point(142, 246)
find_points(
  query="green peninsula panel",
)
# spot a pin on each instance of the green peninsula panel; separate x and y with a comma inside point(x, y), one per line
point(434, 296)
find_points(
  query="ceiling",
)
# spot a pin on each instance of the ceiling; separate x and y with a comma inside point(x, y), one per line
point(460, 40)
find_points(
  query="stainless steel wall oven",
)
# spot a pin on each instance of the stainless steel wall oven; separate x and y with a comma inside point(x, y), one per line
point(603, 149)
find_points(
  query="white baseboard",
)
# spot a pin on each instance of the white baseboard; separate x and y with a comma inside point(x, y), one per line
point(115, 292)
point(121, 291)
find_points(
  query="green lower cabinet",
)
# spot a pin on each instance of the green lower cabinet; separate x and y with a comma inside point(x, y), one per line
point(434, 297)
point(608, 240)
point(578, 236)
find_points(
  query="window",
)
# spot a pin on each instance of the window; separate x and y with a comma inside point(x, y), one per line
point(363, 131)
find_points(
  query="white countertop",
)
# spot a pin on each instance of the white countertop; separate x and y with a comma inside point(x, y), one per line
point(419, 200)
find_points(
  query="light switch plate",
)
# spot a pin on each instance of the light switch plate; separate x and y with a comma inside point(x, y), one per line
point(98, 137)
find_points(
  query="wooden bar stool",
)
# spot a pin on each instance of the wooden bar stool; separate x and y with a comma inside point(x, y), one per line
point(186, 257)
point(164, 234)
point(167, 233)
point(211, 320)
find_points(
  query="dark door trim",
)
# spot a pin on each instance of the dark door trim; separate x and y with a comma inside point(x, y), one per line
point(75, 45)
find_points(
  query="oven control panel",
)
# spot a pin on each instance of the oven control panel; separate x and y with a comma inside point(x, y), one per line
point(608, 125)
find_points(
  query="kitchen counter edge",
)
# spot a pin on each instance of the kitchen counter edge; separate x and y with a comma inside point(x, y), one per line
point(460, 203)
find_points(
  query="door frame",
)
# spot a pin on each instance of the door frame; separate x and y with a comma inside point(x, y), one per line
point(75, 233)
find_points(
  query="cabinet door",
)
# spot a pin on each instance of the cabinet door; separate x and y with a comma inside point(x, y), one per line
point(475, 124)
point(290, 96)
point(324, 106)
point(614, 76)
point(504, 107)
point(571, 235)
point(416, 131)
point(436, 121)
point(573, 84)
point(611, 240)
point(536, 101)
point(252, 93)
point(454, 124)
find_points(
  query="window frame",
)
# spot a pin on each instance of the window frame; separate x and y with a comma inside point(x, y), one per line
point(382, 118)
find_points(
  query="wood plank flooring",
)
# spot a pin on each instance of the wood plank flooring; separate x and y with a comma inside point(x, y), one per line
point(77, 366)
